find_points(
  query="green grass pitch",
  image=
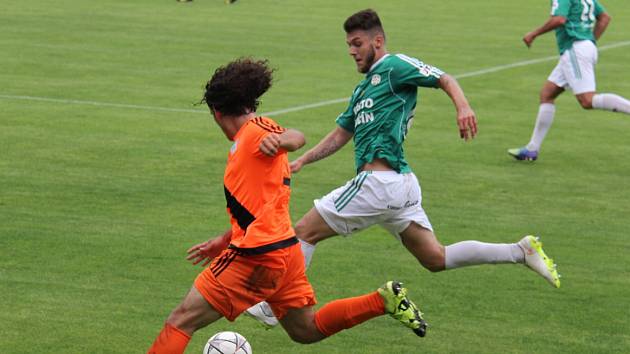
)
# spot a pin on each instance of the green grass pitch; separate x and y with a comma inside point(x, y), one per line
point(98, 203)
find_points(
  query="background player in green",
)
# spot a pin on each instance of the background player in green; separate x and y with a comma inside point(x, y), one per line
point(578, 25)
point(385, 191)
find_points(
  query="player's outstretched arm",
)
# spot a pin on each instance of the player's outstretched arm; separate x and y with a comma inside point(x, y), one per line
point(603, 20)
point(330, 144)
point(289, 140)
point(551, 24)
point(466, 119)
point(206, 251)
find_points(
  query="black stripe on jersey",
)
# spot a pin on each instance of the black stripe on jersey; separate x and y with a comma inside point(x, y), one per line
point(268, 126)
point(255, 251)
point(239, 212)
point(229, 257)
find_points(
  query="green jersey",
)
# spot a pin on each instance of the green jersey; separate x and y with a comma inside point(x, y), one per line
point(382, 107)
point(581, 16)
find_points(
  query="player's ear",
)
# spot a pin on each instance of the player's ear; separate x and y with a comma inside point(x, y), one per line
point(379, 41)
point(217, 114)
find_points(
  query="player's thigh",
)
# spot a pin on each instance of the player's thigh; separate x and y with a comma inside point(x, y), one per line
point(550, 91)
point(312, 227)
point(585, 99)
point(423, 244)
point(300, 325)
point(193, 313)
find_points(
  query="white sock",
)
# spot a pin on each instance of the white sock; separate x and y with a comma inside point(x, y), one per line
point(611, 102)
point(469, 253)
point(308, 250)
point(546, 112)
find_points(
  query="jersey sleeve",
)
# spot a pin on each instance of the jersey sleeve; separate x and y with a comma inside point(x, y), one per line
point(266, 126)
point(413, 72)
point(346, 119)
point(560, 8)
point(599, 8)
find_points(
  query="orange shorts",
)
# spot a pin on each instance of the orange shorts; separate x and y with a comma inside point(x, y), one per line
point(234, 282)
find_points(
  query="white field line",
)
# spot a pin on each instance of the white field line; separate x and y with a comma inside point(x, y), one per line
point(102, 104)
point(290, 109)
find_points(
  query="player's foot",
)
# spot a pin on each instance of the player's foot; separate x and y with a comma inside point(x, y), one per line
point(262, 312)
point(537, 260)
point(184, 0)
point(227, 2)
point(523, 154)
point(398, 305)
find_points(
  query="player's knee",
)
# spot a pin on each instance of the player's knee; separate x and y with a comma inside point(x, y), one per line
point(181, 319)
point(586, 103)
point(433, 267)
point(305, 233)
point(435, 261)
point(546, 97)
point(302, 336)
point(177, 319)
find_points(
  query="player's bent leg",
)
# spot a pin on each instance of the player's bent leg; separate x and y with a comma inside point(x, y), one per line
point(312, 228)
point(585, 99)
point(300, 325)
point(471, 253)
point(550, 91)
point(423, 244)
point(191, 314)
point(305, 326)
point(611, 102)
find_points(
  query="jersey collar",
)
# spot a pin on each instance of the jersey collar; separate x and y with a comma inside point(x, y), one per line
point(377, 62)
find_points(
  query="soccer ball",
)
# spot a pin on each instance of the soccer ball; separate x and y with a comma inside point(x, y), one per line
point(227, 343)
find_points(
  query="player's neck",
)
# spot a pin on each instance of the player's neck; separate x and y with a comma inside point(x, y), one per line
point(378, 58)
point(231, 125)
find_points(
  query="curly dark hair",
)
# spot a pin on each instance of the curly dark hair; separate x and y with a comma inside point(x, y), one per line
point(234, 89)
point(366, 20)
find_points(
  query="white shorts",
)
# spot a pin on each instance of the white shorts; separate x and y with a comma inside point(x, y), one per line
point(387, 198)
point(576, 68)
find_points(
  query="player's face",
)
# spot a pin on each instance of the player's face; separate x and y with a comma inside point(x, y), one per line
point(361, 47)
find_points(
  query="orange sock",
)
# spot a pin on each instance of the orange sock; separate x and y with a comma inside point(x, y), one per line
point(171, 340)
point(342, 314)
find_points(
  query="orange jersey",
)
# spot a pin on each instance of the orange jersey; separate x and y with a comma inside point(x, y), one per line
point(257, 188)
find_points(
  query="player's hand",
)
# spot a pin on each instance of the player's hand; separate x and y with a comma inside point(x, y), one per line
point(270, 144)
point(296, 165)
point(206, 251)
point(529, 39)
point(467, 123)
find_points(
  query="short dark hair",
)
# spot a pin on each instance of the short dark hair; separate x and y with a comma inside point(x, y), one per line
point(234, 89)
point(366, 20)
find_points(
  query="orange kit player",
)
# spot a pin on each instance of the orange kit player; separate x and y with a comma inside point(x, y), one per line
point(260, 258)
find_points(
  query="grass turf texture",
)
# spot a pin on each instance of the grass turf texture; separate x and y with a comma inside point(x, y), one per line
point(99, 204)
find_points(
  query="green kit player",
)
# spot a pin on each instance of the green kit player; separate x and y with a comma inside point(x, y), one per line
point(385, 191)
point(578, 25)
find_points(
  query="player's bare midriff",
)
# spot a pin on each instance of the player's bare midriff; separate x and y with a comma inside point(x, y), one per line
point(377, 165)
